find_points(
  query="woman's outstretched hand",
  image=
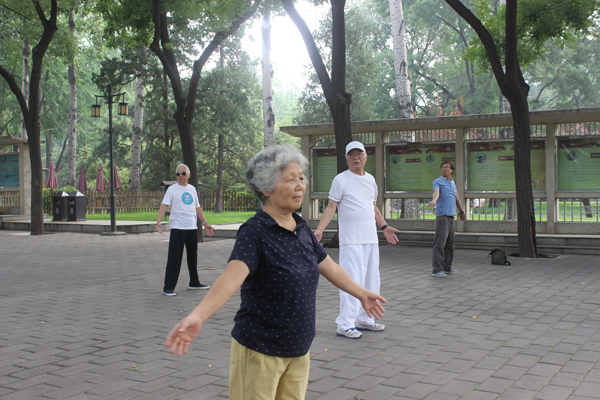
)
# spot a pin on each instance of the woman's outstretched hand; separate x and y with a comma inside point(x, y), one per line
point(178, 340)
point(371, 302)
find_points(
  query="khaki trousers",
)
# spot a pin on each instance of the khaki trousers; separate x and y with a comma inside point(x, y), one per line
point(256, 376)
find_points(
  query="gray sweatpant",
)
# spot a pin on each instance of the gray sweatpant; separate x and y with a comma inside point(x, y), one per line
point(443, 244)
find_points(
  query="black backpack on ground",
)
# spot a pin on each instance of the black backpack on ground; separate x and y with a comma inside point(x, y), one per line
point(499, 257)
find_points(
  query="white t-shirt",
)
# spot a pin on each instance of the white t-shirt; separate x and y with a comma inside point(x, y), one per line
point(355, 195)
point(184, 202)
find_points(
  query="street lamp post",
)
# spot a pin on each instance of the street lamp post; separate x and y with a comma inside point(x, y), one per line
point(123, 109)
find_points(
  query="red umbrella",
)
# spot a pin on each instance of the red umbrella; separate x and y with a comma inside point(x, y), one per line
point(116, 176)
point(100, 185)
point(82, 185)
point(52, 181)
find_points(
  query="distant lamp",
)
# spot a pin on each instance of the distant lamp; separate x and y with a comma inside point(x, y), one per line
point(123, 109)
point(96, 110)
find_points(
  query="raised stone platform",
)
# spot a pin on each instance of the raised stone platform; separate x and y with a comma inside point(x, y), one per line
point(23, 223)
point(547, 244)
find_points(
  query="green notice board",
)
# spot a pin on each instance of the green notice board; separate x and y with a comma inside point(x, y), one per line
point(325, 167)
point(578, 162)
point(414, 167)
point(491, 166)
point(9, 170)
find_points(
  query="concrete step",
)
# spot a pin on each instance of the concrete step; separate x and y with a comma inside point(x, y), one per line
point(547, 244)
point(97, 227)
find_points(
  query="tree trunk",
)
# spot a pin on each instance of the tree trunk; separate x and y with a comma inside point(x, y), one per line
point(136, 138)
point(340, 100)
point(25, 83)
point(400, 59)
point(267, 70)
point(587, 208)
point(31, 112)
point(526, 228)
point(188, 150)
point(188, 147)
point(49, 146)
point(184, 115)
point(186, 105)
point(72, 152)
point(334, 88)
point(510, 205)
point(342, 127)
point(513, 86)
point(219, 199)
point(410, 209)
point(510, 210)
point(58, 163)
point(166, 136)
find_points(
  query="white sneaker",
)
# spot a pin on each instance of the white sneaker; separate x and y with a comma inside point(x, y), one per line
point(351, 333)
point(361, 326)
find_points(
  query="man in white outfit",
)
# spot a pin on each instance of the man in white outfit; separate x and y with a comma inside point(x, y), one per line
point(354, 194)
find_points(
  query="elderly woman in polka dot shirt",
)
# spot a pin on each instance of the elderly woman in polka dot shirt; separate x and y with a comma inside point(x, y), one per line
point(276, 261)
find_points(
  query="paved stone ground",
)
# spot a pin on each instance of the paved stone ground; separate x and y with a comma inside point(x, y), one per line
point(82, 316)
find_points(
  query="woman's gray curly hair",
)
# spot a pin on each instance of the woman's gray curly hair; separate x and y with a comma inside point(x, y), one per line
point(265, 168)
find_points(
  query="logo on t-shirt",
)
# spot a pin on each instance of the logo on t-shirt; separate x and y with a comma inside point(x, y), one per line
point(187, 198)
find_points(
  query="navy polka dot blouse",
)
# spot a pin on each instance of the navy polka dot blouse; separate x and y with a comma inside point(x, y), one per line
point(277, 312)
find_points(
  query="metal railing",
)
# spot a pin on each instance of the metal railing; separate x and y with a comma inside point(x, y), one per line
point(579, 210)
point(10, 198)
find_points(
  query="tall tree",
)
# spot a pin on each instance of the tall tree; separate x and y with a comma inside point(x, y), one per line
point(31, 110)
point(267, 74)
point(164, 49)
point(520, 40)
point(567, 76)
point(136, 137)
point(369, 67)
point(229, 125)
point(444, 82)
point(72, 133)
point(334, 87)
point(221, 140)
point(403, 92)
point(25, 82)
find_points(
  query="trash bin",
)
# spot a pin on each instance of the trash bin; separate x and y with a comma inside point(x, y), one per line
point(76, 207)
point(59, 206)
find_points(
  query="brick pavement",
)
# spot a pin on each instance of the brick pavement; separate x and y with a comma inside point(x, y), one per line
point(82, 317)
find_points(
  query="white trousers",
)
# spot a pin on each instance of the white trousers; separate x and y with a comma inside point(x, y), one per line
point(361, 261)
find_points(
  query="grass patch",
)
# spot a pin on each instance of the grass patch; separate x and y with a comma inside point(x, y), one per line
point(213, 218)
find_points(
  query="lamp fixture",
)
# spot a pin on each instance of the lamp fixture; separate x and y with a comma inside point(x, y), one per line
point(123, 109)
point(96, 110)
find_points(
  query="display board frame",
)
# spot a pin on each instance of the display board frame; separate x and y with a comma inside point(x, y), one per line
point(501, 151)
point(9, 170)
point(577, 164)
point(402, 158)
point(324, 167)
